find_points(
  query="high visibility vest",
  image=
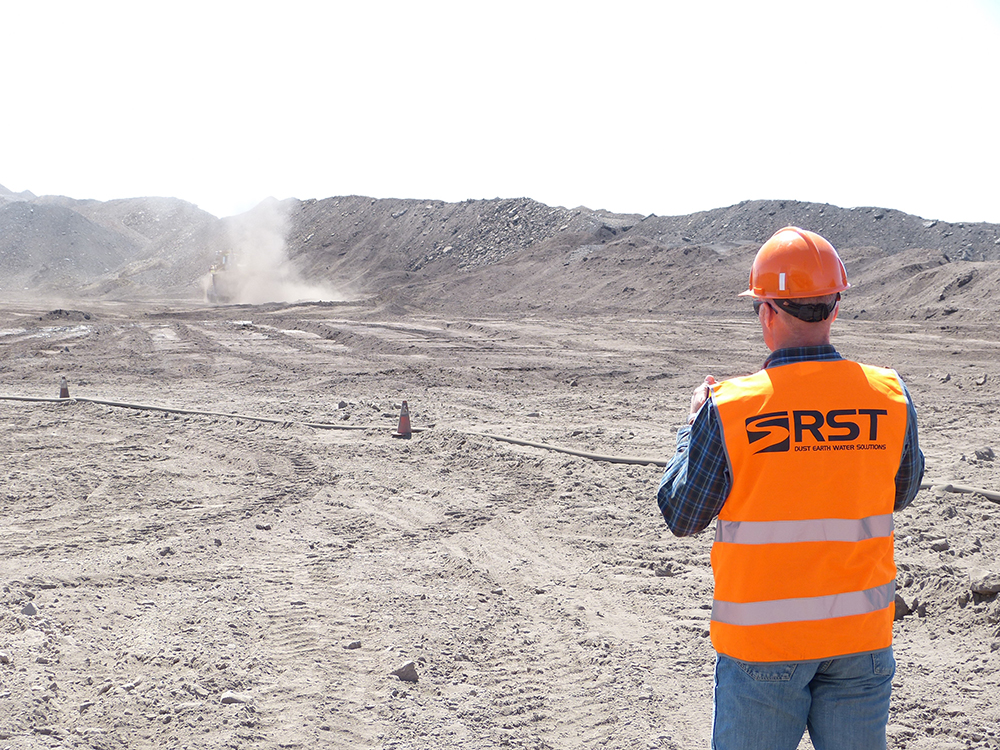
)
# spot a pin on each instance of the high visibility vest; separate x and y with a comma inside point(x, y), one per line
point(803, 552)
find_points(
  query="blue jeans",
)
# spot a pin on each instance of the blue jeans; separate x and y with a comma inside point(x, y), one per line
point(843, 701)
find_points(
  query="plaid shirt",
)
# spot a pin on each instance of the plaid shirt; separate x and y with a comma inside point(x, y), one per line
point(697, 481)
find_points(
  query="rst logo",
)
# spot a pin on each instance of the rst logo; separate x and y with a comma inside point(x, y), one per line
point(838, 429)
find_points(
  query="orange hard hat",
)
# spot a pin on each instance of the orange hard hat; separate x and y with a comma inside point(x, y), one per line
point(796, 263)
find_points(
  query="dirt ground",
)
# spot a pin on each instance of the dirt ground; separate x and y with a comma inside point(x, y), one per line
point(178, 580)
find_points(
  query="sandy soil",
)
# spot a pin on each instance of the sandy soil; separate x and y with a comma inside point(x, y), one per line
point(177, 580)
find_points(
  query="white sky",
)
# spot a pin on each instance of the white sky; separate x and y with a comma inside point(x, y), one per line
point(637, 107)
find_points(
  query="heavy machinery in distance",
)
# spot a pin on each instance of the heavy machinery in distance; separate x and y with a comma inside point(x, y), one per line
point(225, 280)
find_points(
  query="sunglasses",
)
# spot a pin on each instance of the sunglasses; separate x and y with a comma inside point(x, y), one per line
point(757, 303)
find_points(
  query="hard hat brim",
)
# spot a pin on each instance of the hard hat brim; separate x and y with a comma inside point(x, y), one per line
point(765, 295)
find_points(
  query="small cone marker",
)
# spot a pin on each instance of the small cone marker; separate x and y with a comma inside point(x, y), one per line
point(63, 389)
point(403, 431)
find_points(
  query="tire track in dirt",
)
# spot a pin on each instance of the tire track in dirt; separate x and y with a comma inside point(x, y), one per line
point(576, 639)
point(534, 653)
point(182, 349)
point(302, 623)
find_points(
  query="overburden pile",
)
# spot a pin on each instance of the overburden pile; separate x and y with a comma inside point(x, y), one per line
point(480, 258)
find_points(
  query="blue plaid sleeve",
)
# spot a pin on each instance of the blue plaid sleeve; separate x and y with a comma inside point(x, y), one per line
point(911, 466)
point(696, 482)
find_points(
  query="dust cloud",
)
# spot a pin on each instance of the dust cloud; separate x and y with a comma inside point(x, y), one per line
point(257, 270)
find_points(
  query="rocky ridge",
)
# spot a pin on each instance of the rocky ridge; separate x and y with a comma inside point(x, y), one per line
point(503, 255)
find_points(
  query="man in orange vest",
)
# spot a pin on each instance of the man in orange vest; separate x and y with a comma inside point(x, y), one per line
point(803, 463)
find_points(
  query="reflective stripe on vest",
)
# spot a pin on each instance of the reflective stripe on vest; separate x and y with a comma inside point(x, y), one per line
point(801, 610)
point(818, 530)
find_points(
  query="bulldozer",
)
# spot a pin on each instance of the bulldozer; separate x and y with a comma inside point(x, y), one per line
point(225, 279)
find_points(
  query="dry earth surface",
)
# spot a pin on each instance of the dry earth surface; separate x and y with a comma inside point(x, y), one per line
point(247, 563)
point(176, 580)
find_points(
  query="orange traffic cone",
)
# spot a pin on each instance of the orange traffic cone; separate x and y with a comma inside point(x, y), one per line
point(403, 431)
point(63, 389)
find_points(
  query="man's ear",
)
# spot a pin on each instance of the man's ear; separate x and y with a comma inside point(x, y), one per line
point(768, 314)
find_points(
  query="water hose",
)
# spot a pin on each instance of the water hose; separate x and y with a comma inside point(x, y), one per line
point(635, 461)
point(198, 412)
point(961, 490)
point(333, 426)
point(571, 452)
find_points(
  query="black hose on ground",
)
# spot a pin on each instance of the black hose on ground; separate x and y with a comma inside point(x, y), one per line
point(198, 412)
point(635, 461)
point(571, 452)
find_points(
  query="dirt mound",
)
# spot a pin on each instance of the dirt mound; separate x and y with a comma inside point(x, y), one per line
point(25, 195)
point(493, 257)
point(485, 258)
point(53, 246)
point(141, 247)
point(67, 315)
